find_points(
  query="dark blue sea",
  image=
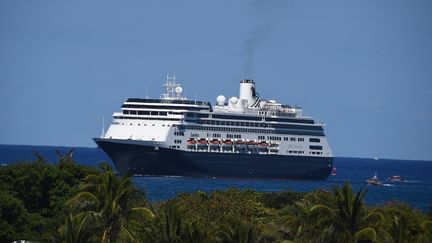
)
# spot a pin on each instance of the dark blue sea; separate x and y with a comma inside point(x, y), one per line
point(415, 188)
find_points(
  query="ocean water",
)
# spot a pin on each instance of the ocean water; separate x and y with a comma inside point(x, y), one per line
point(415, 188)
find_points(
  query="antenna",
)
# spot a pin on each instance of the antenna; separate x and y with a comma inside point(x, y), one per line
point(172, 88)
point(103, 127)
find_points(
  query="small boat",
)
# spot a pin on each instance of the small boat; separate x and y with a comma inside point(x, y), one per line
point(374, 181)
point(394, 178)
point(333, 173)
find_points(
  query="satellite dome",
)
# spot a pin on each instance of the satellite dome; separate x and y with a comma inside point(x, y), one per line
point(221, 100)
point(233, 100)
point(178, 90)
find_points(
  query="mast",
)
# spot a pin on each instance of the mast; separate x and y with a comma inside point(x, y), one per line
point(103, 127)
point(173, 90)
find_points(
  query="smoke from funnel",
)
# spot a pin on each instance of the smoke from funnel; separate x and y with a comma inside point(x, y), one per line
point(266, 12)
point(255, 37)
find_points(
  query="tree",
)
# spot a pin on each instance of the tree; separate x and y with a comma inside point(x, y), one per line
point(351, 217)
point(403, 224)
point(106, 201)
point(74, 230)
point(235, 230)
point(305, 222)
point(13, 218)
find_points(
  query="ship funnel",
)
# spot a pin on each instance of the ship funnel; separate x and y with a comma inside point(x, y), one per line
point(248, 94)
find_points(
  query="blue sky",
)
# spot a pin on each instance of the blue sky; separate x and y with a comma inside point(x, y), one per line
point(364, 68)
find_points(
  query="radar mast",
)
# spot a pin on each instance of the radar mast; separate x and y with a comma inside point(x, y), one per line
point(173, 90)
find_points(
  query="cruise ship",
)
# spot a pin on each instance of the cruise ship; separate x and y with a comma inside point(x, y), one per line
point(243, 136)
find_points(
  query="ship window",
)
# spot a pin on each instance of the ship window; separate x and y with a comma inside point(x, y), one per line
point(146, 113)
point(292, 139)
point(314, 140)
point(314, 147)
point(140, 112)
point(153, 113)
point(133, 112)
point(162, 113)
point(300, 139)
point(125, 112)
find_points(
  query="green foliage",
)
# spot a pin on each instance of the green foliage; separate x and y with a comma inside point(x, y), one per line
point(404, 224)
point(321, 196)
point(13, 218)
point(66, 202)
point(40, 189)
point(279, 200)
point(235, 230)
point(108, 203)
point(211, 209)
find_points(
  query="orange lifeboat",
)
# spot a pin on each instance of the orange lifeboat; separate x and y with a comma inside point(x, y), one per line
point(263, 144)
point(215, 142)
point(191, 141)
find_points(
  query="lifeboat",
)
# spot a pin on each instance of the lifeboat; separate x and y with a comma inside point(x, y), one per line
point(263, 144)
point(202, 144)
point(227, 145)
point(240, 143)
point(251, 144)
point(191, 141)
point(215, 142)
